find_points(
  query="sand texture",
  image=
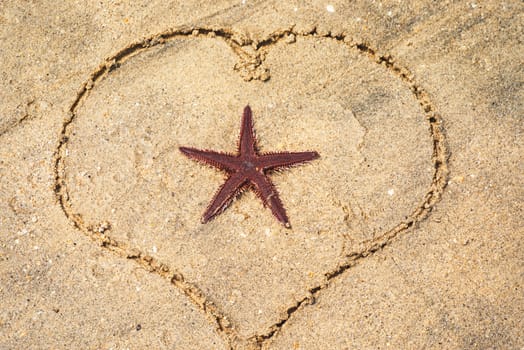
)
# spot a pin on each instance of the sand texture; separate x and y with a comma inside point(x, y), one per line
point(406, 232)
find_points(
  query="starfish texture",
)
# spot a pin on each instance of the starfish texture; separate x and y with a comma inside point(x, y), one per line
point(246, 169)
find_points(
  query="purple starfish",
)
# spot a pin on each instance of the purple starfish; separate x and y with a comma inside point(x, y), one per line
point(248, 169)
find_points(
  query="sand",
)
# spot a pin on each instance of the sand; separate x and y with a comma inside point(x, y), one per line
point(406, 232)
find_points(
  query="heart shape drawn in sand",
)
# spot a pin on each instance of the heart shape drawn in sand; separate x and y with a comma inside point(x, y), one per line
point(122, 181)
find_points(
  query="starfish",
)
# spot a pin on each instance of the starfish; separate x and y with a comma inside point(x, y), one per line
point(248, 169)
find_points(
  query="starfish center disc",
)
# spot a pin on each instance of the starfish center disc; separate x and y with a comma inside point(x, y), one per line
point(247, 165)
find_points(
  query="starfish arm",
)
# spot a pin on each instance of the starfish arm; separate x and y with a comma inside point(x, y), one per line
point(225, 194)
point(222, 161)
point(246, 144)
point(284, 159)
point(267, 192)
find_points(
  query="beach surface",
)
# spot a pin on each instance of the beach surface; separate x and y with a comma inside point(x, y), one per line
point(406, 232)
